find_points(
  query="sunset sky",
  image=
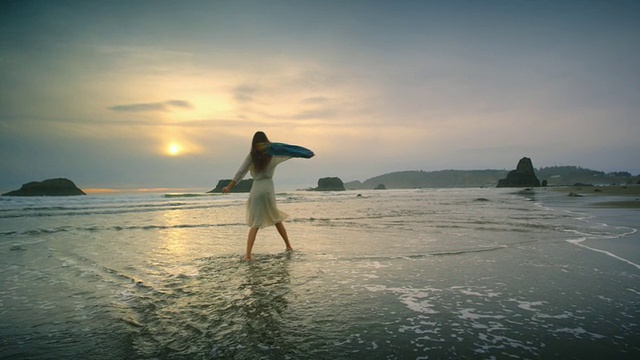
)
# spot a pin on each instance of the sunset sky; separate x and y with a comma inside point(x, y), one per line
point(145, 94)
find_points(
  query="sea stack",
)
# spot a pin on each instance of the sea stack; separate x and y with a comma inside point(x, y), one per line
point(49, 187)
point(522, 176)
point(330, 184)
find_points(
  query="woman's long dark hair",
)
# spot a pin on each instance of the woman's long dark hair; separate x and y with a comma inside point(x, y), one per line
point(260, 158)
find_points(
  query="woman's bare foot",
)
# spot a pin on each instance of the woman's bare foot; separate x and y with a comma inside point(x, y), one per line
point(247, 258)
point(289, 249)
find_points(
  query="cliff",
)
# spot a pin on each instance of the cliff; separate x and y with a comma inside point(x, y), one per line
point(49, 187)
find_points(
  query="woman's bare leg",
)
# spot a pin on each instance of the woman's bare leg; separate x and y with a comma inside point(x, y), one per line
point(283, 233)
point(251, 239)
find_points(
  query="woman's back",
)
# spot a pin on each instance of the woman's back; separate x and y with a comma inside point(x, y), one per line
point(269, 170)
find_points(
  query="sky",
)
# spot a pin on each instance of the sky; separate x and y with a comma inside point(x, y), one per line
point(167, 94)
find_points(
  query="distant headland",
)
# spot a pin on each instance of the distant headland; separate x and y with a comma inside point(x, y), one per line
point(49, 187)
point(551, 176)
point(524, 175)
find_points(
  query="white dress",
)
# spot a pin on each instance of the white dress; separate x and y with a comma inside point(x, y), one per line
point(261, 206)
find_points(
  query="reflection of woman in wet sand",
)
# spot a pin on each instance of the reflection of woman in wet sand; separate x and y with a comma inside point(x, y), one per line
point(261, 206)
point(269, 285)
point(257, 315)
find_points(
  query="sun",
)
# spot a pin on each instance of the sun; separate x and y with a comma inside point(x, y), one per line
point(174, 149)
point(178, 148)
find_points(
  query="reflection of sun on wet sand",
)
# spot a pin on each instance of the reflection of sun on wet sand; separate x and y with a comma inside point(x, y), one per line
point(628, 195)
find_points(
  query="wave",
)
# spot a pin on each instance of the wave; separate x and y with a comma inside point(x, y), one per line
point(106, 210)
point(467, 251)
point(427, 254)
point(590, 229)
point(579, 242)
point(187, 195)
point(93, 229)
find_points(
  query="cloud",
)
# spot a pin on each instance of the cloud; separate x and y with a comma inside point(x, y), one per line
point(315, 100)
point(151, 107)
point(179, 103)
point(244, 93)
point(323, 113)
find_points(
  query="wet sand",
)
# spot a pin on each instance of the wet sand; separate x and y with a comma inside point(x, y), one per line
point(397, 274)
point(614, 196)
point(615, 205)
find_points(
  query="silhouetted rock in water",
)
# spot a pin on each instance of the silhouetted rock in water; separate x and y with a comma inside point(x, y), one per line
point(241, 187)
point(527, 191)
point(544, 183)
point(481, 199)
point(330, 184)
point(49, 187)
point(522, 176)
point(380, 187)
point(582, 184)
point(572, 194)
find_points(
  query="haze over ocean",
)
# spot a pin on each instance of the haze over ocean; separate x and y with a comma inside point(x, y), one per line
point(433, 273)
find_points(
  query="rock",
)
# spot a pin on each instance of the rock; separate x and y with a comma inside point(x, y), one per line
point(581, 184)
point(242, 187)
point(49, 187)
point(380, 187)
point(527, 191)
point(481, 199)
point(544, 183)
point(522, 176)
point(330, 184)
point(572, 194)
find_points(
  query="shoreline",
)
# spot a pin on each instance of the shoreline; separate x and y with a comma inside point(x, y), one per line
point(613, 206)
point(611, 196)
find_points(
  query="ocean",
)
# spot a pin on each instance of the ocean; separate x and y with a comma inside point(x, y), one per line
point(395, 274)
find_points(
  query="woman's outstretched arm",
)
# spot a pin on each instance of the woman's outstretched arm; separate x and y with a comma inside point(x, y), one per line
point(228, 188)
point(244, 168)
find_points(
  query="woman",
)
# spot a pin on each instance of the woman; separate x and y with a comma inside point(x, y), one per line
point(261, 206)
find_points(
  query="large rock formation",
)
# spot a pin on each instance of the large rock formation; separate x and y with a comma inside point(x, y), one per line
point(522, 176)
point(242, 186)
point(49, 187)
point(330, 184)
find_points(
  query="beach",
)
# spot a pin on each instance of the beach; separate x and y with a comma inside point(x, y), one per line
point(621, 196)
point(395, 274)
point(614, 205)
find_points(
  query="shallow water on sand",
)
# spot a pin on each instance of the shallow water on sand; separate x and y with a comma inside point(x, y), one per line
point(456, 273)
